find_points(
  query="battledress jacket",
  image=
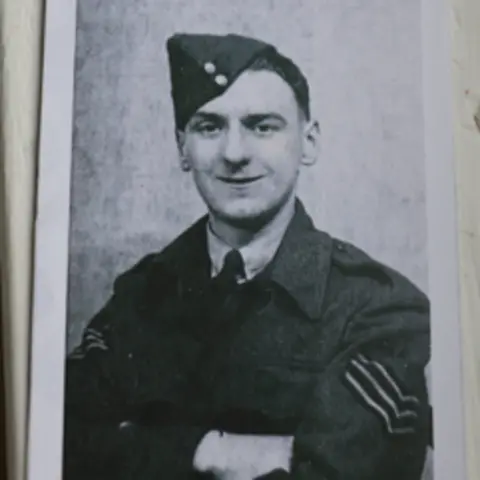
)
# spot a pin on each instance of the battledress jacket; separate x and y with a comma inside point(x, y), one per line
point(326, 345)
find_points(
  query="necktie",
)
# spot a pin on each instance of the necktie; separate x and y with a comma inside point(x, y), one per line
point(225, 300)
point(232, 272)
point(223, 304)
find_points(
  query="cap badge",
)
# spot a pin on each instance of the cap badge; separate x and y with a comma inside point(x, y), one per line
point(221, 80)
point(210, 68)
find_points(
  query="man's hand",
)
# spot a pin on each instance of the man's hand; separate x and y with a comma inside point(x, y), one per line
point(242, 457)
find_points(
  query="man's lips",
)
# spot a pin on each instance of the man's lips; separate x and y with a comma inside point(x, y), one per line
point(240, 180)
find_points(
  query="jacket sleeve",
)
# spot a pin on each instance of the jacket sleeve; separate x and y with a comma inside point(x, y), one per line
point(98, 442)
point(368, 417)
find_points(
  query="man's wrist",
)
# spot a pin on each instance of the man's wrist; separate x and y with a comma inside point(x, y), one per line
point(209, 455)
point(218, 452)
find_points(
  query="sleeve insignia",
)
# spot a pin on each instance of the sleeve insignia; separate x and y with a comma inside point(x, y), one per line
point(92, 340)
point(377, 389)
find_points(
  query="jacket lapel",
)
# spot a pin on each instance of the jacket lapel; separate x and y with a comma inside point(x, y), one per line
point(302, 263)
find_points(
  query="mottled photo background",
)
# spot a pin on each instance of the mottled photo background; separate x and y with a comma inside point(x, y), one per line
point(363, 61)
point(129, 197)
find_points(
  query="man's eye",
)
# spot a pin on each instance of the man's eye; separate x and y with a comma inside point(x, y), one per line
point(265, 128)
point(207, 128)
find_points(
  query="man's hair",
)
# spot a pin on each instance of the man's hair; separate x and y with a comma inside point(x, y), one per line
point(290, 73)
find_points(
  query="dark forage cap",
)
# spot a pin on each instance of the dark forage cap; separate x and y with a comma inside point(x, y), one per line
point(203, 66)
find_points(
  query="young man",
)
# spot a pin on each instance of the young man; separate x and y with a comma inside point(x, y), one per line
point(254, 345)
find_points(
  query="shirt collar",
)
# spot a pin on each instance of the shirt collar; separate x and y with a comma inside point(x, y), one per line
point(258, 253)
point(300, 265)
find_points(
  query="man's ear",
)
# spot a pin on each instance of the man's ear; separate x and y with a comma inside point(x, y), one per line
point(180, 137)
point(311, 142)
point(184, 162)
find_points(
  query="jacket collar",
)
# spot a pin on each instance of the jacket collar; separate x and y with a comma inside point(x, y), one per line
point(301, 265)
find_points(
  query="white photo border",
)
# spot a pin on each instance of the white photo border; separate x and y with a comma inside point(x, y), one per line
point(52, 223)
point(48, 344)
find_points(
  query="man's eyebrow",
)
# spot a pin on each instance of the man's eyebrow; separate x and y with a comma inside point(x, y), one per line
point(203, 115)
point(261, 117)
point(247, 119)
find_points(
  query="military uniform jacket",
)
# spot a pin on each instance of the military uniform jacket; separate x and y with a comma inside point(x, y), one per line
point(326, 345)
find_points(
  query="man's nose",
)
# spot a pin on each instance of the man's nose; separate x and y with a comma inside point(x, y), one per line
point(235, 151)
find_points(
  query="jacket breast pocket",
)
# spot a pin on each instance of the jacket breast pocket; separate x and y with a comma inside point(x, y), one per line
point(266, 398)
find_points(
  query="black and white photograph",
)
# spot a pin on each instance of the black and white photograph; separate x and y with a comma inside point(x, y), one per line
point(246, 281)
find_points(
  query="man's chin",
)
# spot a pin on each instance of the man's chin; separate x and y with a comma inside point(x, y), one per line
point(249, 217)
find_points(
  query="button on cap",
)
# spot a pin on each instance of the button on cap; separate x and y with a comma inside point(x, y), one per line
point(209, 67)
point(221, 80)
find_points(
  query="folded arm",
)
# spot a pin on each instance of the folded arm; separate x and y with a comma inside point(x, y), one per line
point(102, 437)
point(368, 417)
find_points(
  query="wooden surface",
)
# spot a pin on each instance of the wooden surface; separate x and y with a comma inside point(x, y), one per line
point(465, 16)
point(20, 38)
point(3, 435)
point(21, 41)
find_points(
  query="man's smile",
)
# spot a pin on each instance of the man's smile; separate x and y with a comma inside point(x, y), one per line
point(240, 180)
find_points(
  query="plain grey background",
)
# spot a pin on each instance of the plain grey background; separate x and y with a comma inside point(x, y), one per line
point(363, 61)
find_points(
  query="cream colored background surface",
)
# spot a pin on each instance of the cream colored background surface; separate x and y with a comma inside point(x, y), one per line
point(21, 40)
point(466, 70)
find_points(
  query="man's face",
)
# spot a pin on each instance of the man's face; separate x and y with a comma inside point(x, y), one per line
point(245, 148)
